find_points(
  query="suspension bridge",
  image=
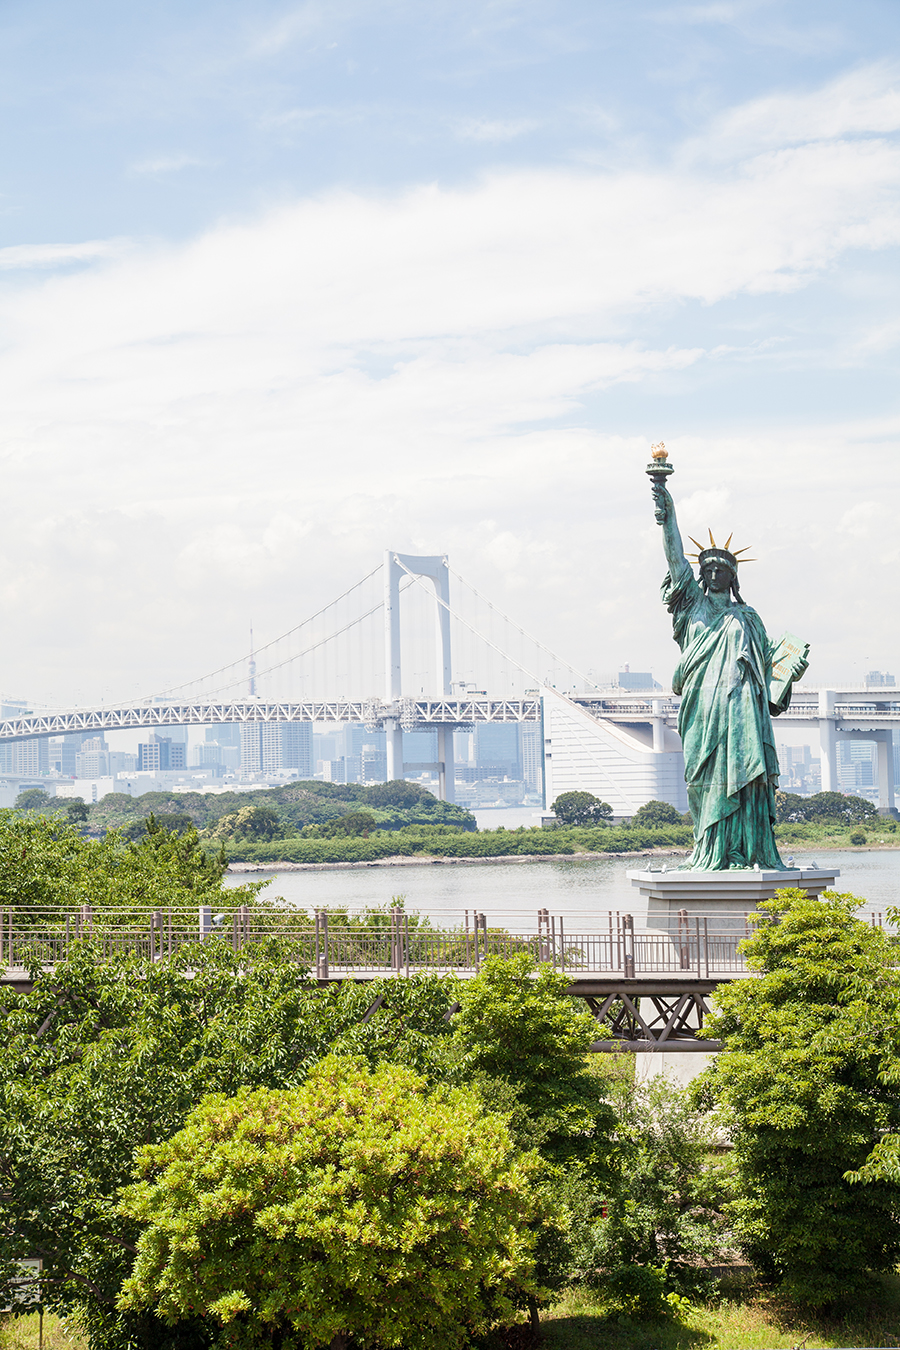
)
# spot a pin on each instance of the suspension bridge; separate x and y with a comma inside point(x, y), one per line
point(413, 647)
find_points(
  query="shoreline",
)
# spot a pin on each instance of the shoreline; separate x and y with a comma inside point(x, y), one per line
point(435, 860)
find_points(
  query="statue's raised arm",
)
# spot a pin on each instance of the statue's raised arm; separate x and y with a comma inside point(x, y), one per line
point(665, 516)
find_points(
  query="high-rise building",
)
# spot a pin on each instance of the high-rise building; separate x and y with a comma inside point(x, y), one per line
point(636, 679)
point(277, 747)
point(497, 750)
point(160, 752)
point(22, 759)
point(92, 760)
point(531, 755)
point(297, 748)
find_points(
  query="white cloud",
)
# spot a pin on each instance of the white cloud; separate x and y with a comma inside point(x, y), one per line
point(244, 421)
point(160, 164)
point(25, 256)
point(487, 129)
point(864, 101)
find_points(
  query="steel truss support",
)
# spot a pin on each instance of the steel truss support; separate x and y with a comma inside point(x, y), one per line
point(640, 1021)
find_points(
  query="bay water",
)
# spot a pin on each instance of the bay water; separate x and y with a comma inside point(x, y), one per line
point(583, 891)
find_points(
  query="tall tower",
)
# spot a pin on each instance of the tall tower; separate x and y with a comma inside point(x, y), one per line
point(437, 570)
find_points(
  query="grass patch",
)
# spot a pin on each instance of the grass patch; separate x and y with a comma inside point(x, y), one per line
point(737, 1320)
point(22, 1333)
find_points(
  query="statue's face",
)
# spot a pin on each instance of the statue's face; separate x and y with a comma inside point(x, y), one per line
point(717, 577)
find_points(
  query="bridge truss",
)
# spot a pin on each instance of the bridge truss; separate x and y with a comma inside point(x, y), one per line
point(410, 714)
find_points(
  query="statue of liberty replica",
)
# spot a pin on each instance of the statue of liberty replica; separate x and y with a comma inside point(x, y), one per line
point(732, 679)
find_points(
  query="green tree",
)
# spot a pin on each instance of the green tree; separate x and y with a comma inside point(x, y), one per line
point(581, 808)
point(354, 823)
point(77, 811)
point(33, 799)
point(655, 813)
point(663, 1209)
point(809, 1076)
point(516, 1023)
point(259, 823)
point(397, 793)
point(823, 808)
point(45, 863)
point(361, 1205)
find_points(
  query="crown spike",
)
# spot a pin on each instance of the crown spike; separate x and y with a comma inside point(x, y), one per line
point(743, 550)
point(694, 541)
point(712, 542)
point(729, 539)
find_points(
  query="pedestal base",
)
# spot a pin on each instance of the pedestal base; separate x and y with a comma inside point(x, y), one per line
point(723, 897)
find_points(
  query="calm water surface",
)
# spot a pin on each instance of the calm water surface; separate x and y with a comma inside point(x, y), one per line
point(510, 894)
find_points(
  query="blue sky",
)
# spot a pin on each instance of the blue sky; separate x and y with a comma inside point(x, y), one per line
point(282, 284)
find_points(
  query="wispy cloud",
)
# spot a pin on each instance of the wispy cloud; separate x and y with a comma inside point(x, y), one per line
point(162, 164)
point(26, 256)
point(488, 129)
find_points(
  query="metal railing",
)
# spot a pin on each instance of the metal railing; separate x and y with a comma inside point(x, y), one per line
point(397, 945)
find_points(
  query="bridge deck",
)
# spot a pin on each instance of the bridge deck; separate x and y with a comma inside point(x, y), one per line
point(644, 989)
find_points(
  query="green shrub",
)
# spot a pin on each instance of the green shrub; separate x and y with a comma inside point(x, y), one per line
point(809, 1077)
point(360, 1205)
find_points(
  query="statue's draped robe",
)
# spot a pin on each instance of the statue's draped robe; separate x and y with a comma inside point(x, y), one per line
point(730, 760)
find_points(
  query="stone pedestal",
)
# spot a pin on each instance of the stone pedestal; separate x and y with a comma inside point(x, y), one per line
point(723, 898)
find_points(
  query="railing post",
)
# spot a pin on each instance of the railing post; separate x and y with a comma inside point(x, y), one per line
point(156, 925)
point(697, 930)
point(323, 965)
point(684, 941)
point(468, 952)
point(628, 945)
point(245, 924)
point(562, 945)
point(406, 941)
point(476, 922)
point(318, 937)
point(553, 940)
point(706, 942)
point(204, 920)
point(87, 922)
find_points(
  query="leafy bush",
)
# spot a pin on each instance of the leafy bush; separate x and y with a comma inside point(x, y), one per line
point(33, 799)
point(823, 808)
point(664, 1207)
point(809, 1077)
point(359, 1205)
point(657, 813)
point(581, 808)
point(857, 837)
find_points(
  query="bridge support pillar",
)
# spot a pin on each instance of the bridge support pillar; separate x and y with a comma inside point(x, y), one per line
point(884, 765)
point(447, 771)
point(828, 741)
point(393, 735)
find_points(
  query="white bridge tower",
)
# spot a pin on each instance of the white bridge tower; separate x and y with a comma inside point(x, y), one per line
point(435, 569)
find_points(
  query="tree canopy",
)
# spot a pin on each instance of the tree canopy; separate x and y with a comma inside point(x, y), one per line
point(359, 1205)
point(657, 813)
point(809, 1077)
point(823, 808)
point(581, 808)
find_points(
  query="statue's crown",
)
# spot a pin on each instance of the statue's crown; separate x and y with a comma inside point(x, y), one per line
point(715, 553)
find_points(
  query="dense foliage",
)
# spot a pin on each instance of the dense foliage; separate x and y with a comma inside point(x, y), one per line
point(46, 862)
point(823, 808)
point(663, 1214)
point(809, 1077)
point(581, 808)
point(272, 813)
point(360, 1205)
point(654, 813)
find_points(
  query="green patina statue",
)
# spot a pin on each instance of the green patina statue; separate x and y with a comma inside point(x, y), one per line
point(728, 695)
